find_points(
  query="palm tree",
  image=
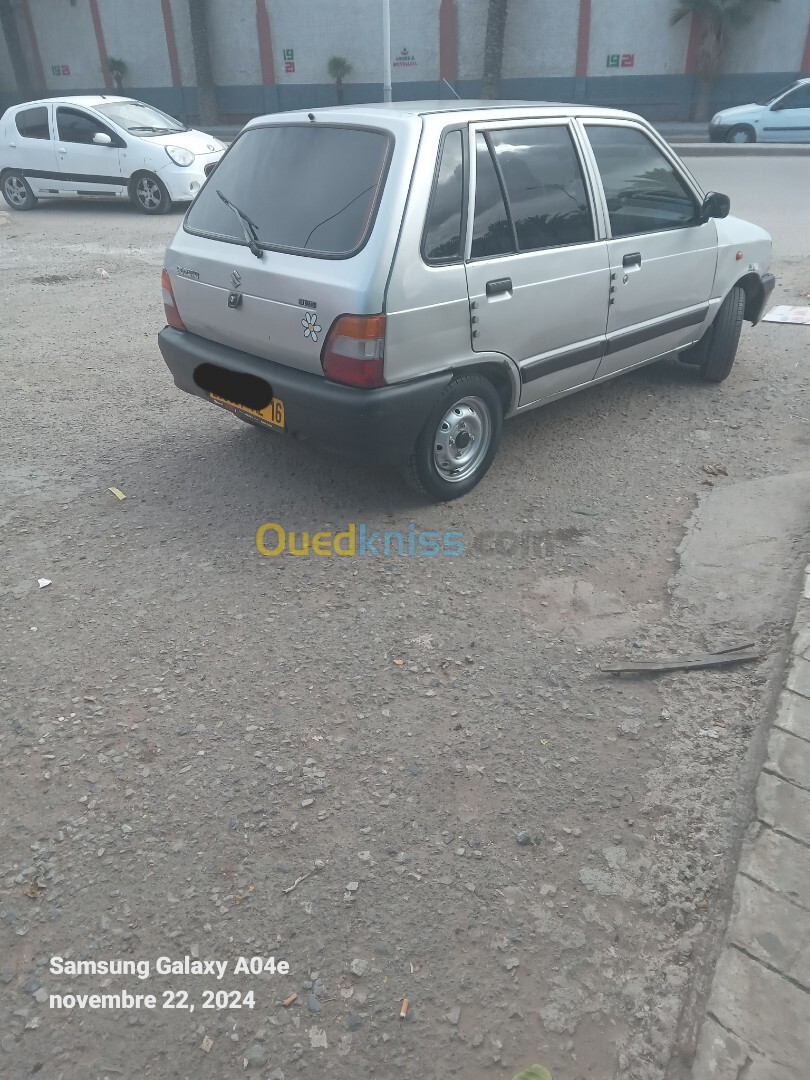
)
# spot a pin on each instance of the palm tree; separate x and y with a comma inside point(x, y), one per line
point(206, 94)
point(493, 48)
point(716, 19)
point(11, 32)
point(339, 69)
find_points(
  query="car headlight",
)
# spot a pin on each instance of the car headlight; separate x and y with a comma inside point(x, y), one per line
point(179, 155)
point(716, 119)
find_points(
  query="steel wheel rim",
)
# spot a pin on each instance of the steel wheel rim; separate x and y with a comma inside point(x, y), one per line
point(740, 137)
point(15, 189)
point(462, 439)
point(148, 193)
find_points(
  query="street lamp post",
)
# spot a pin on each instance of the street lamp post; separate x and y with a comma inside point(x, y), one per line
point(386, 50)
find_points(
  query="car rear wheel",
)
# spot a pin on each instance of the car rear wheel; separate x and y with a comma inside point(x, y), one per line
point(741, 133)
point(150, 194)
point(17, 192)
point(459, 440)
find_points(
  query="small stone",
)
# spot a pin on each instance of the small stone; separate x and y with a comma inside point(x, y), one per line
point(307, 802)
point(353, 886)
point(41, 995)
point(364, 856)
point(359, 967)
point(317, 1038)
point(478, 1038)
point(313, 1005)
point(276, 1074)
point(453, 1015)
point(353, 1021)
point(523, 838)
point(684, 947)
point(126, 828)
point(255, 1057)
point(511, 962)
point(8, 1042)
point(31, 985)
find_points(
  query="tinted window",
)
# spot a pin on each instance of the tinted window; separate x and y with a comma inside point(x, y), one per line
point(492, 232)
point(33, 123)
point(312, 189)
point(544, 185)
point(643, 191)
point(799, 99)
point(76, 127)
point(443, 226)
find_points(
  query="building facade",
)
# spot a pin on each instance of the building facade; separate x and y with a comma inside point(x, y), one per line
point(270, 55)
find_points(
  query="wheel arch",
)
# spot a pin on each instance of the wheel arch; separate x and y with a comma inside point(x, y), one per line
point(754, 290)
point(503, 375)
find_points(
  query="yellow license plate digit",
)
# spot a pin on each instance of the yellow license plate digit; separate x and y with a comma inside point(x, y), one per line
point(273, 413)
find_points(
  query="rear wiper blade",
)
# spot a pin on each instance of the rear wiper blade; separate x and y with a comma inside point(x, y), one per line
point(249, 228)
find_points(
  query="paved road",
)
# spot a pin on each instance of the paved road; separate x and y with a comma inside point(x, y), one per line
point(189, 729)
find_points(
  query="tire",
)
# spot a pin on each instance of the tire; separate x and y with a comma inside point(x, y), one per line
point(715, 352)
point(466, 421)
point(150, 194)
point(17, 192)
point(741, 133)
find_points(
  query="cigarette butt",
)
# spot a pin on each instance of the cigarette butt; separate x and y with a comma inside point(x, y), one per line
point(403, 1012)
point(118, 493)
point(289, 1000)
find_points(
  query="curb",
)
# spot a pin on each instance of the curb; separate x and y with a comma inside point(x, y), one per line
point(757, 1021)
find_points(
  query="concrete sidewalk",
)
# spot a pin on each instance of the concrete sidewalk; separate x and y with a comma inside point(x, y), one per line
point(757, 1024)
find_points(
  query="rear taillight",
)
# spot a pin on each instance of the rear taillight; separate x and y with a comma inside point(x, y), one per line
point(353, 352)
point(170, 304)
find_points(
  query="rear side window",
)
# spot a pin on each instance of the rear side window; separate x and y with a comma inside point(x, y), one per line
point(643, 191)
point(443, 227)
point(33, 123)
point(544, 185)
point(311, 189)
point(492, 229)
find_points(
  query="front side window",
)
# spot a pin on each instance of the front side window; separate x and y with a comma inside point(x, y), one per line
point(312, 189)
point(644, 193)
point(33, 123)
point(76, 127)
point(799, 99)
point(544, 185)
point(492, 230)
point(443, 226)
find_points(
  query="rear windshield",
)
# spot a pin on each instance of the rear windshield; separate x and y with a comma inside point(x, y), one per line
point(310, 189)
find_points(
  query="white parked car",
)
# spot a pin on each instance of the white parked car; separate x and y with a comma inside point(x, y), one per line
point(101, 147)
point(785, 117)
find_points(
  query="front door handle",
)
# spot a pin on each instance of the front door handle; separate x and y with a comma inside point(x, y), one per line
point(633, 259)
point(62, 149)
point(499, 285)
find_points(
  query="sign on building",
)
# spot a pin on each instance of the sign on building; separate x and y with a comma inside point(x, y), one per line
point(289, 61)
point(404, 58)
point(625, 60)
point(60, 69)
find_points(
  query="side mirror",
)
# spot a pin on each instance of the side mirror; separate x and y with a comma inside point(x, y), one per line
point(101, 138)
point(715, 205)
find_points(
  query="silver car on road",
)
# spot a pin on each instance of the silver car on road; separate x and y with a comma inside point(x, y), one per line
point(393, 281)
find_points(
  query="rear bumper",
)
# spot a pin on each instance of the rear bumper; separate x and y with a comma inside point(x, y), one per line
point(375, 426)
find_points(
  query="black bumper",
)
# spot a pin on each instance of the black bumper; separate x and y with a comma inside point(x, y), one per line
point(376, 426)
point(718, 132)
point(768, 281)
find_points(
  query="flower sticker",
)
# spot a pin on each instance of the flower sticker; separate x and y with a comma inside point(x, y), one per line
point(311, 325)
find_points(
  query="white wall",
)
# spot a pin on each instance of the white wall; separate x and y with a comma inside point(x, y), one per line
point(774, 39)
point(234, 43)
point(66, 36)
point(134, 32)
point(7, 81)
point(182, 37)
point(641, 27)
point(315, 31)
point(540, 41)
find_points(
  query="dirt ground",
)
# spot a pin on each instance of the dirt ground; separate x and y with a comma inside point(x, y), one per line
point(406, 777)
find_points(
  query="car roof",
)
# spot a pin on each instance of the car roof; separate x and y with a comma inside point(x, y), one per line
point(89, 100)
point(480, 108)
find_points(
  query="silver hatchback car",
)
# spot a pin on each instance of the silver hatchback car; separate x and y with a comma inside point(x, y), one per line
point(393, 281)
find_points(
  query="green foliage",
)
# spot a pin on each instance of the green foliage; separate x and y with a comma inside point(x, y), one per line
point(534, 1072)
point(339, 68)
point(117, 68)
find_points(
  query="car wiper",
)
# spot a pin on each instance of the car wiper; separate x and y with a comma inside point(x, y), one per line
point(249, 228)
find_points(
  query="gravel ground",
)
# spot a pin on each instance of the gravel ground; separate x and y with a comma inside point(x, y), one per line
point(535, 854)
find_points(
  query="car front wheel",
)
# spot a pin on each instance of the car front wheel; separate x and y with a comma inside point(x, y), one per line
point(17, 192)
point(741, 133)
point(459, 440)
point(150, 194)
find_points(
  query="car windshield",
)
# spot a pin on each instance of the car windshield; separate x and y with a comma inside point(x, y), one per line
point(773, 97)
point(308, 189)
point(140, 119)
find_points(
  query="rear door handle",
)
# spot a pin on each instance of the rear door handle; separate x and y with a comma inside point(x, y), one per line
point(499, 285)
point(632, 260)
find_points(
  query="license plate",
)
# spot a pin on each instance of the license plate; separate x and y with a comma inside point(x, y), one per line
point(272, 413)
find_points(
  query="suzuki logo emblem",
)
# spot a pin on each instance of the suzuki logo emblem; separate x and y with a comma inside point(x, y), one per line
point(236, 278)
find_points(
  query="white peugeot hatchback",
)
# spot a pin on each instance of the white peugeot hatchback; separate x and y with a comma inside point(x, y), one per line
point(101, 147)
